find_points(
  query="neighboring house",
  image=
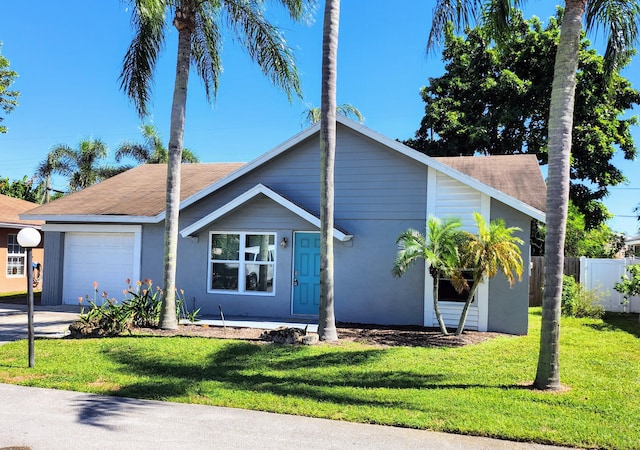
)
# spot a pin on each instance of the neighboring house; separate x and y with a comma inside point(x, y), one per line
point(249, 233)
point(13, 258)
point(632, 246)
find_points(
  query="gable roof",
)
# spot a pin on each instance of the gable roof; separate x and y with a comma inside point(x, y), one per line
point(138, 195)
point(252, 193)
point(10, 210)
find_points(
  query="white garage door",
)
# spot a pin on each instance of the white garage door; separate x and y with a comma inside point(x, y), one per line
point(105, 258)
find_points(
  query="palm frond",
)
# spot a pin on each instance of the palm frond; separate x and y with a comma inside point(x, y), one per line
point(265, 45)
point(621, 19)
point(206, 48)
point(459, 12)
point(148, 20)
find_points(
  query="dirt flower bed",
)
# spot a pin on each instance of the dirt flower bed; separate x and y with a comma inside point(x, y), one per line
point(379, 336)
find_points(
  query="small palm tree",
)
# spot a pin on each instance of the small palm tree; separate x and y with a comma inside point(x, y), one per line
point(53, 164)
point(152, 150)
point(313, 115)
point(493, 249)
point(81, 166)
point(439, 249)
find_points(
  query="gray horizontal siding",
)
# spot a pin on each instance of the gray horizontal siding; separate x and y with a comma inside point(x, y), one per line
point(371, 181)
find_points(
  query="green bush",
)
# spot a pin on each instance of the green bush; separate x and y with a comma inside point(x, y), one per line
point(141, 307)
point(578, 301)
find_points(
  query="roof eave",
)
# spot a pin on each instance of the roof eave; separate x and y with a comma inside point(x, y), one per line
point(95, 218)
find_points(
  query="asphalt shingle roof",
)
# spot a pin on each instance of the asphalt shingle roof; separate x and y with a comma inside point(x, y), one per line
point(11, 208)
point(136, 192)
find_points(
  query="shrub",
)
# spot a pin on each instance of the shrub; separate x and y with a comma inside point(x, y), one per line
point(578, 301)
point(140, 308)
point(143, 304)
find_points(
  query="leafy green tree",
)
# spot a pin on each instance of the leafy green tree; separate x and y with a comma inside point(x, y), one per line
point(598, 242)
point(199, 25)
point(8, 99)
point(620, 19)
point(81, 166)
point(495, 99)
point(440, 251)
point(328, 110)
point(493, 249)
point(152, 150)
point(24, 189)
point(313, 115)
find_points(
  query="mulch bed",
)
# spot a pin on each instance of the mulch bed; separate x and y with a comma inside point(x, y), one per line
point(376, 335)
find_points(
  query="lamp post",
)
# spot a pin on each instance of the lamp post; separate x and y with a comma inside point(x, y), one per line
point(29, 238)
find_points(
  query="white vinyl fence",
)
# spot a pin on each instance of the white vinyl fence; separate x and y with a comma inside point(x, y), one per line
point(602, 275)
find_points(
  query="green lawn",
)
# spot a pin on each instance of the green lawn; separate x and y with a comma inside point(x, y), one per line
point(481, 390)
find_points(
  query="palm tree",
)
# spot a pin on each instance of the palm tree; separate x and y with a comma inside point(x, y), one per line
point(80, 165)
point(493, 249)
point(620, 19)
point(53, 164)
point(440, 251)
point(152, 151)
point(199, 25)
point(313, 115)
point(326, 315)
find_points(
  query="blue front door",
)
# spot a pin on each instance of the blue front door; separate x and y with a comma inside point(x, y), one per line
point(306, 273)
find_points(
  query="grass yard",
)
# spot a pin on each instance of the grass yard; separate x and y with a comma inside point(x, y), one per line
point(481, 389)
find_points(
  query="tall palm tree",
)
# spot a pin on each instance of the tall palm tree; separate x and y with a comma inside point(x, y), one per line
point(440, 251)
point(152, 150)
point(199, 25)
point(81, 166)
point(326, 314)
point(313, 114)
point(493, 249)
point(620, 19)
point(53, 164)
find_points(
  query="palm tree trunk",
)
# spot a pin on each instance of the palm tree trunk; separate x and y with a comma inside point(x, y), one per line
point(47, 189)
point(465, 308)
point(326, 316)
point(184, 22)
point(436, 307)
point(560, 129)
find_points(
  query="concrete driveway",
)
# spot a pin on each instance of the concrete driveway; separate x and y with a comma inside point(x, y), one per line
point(48, 321)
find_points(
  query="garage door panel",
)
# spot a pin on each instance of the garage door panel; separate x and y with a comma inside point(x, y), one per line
point(105, 258)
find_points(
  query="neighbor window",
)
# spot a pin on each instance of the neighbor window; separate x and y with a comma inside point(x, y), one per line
point(242, 262)
point(16, 257)
point(447, 293)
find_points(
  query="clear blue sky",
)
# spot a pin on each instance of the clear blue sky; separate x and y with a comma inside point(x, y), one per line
point(68, 57)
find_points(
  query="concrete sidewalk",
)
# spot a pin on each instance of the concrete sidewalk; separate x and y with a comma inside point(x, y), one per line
point(48, 321)
point(37, 418)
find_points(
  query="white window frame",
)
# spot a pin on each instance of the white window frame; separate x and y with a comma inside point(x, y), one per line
point(11, 254)
point(242, 276)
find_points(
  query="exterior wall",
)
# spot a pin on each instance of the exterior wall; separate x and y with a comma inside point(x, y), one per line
point(509, 306)
point(450, 198)
point(378, 194)
point(53, 265)
point(11, 283)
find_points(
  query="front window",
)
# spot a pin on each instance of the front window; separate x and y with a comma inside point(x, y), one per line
point(242, 262)
point(16, 257)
